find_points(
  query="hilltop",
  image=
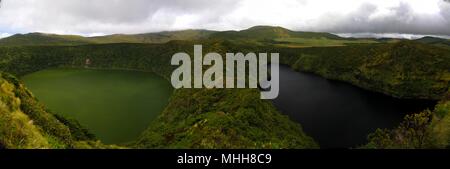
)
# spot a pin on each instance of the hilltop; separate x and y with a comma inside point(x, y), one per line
point(258, 35)
point(42, 39)
point(271, 32)
point(440, 42)
point(39, 39)
point(160, 37)
point(433, 40)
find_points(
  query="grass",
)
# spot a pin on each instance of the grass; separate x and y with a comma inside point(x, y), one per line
point(17, 130)
point(316, 42)
point(441, 124)
point(214, 118)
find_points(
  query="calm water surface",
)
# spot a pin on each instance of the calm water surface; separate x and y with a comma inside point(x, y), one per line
point(337, 114)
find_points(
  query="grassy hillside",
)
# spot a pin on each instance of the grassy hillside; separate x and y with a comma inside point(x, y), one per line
point(258, 35)
point(268, 35)
point(444, 43)
point(440, 124)
point(433, 40)
point(39, 39)
point(42, 39)
point(25, 123)
point(161, 37)
point(270, 32)
point(404, 69)
point(425, 130)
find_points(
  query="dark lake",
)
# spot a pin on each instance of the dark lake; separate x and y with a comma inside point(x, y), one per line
point(337, 114)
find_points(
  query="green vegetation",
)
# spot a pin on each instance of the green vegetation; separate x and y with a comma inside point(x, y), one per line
point(404, 69)
point(439, 42)
point(38, 39)
point(413, 132)
point(428, 129)
point(215, 118)
point(26, 123)
point(42, 39)
point(269, 33)
point(434, 40)
point(161, 37)
point(203, 118)
point(251, 122)
point(316, 42)
point(281, 37)
point(258, 35)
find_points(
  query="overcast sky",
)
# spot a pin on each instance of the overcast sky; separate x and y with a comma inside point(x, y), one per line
point(349, 17)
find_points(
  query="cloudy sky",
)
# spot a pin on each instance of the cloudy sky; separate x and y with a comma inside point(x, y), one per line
point(347, 17)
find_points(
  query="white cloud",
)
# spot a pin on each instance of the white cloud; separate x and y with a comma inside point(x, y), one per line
point(96, 17)
point(389, 35)
point(4, 35)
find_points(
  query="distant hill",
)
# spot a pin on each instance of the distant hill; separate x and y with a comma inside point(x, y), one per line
point(435, 41)
point(255, 35)
point(42, 39)
point(160, 37)
point(431, 40)
point(404, 69)
point(37, 39)
point(271, 32)
point(269, 35)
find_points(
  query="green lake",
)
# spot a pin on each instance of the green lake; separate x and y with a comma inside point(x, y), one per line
point(115, 105)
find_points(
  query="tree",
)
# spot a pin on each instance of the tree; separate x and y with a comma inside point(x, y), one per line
point(414, 132)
